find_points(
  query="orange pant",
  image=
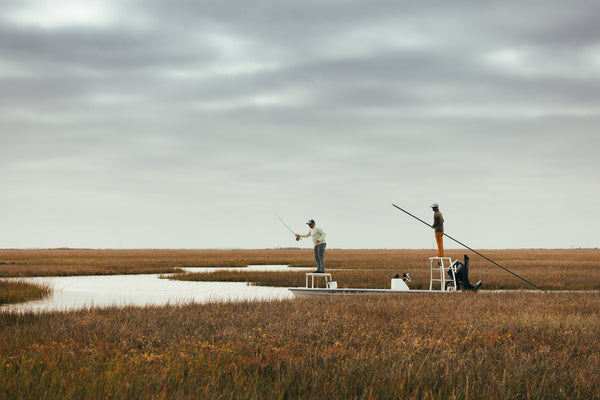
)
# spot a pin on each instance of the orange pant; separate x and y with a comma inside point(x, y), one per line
point(439, 238)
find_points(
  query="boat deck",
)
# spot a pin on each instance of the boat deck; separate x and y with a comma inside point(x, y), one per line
point(310, 292)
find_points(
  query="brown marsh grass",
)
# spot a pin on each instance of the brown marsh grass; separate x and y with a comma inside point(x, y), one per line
point(478, 346)
point(484, 345)
point(67, 262)
point(17, 291)
point(493, 278)
point(550, 269)
point(368, 279)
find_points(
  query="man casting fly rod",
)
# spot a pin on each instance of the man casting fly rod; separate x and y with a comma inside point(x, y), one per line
point(318, 238)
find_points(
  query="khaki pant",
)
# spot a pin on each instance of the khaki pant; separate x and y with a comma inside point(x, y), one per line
point(439, 238)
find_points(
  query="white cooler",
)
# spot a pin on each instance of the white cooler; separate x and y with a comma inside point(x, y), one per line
point(398, 284)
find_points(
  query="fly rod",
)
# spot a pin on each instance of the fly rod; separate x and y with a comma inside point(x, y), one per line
point(474, 251)
point(286, 225)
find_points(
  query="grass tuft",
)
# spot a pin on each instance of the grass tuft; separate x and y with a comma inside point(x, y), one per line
point(16, 291)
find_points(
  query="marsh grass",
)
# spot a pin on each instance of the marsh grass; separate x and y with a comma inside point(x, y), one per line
point(479, 346)
point(80, 262)
point(16, 291)
point(550, 269)
point(258, 278)
point(369, 279)
point(548, 278)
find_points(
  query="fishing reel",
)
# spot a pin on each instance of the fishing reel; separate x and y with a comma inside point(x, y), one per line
point(297, 238)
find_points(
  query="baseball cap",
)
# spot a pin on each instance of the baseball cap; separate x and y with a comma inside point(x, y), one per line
point(310, 221)
point(435, 205)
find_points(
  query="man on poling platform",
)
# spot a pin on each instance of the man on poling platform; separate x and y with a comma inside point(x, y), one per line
point(438, 227)
point(462, 274)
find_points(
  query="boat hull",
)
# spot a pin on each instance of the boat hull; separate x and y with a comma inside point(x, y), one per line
point(317, 292)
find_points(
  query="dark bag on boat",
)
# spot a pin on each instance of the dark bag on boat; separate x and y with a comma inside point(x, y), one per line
point(456, 266)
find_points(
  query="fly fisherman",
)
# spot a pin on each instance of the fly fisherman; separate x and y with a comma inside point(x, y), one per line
point(438, 226)
point(318, 238)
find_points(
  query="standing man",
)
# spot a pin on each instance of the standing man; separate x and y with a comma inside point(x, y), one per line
point(318, 237)
point(438, 226)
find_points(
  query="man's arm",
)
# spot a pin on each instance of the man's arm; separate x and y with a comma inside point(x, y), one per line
point(305, 235)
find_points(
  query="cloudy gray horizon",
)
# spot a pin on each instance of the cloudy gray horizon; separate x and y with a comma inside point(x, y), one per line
point(184, 124)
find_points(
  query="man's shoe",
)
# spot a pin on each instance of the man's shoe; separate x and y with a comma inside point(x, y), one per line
point(477, 286)
point(318, 272)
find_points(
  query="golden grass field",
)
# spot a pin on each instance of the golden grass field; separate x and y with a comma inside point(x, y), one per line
point(550, 269)
point(485, 345)
point(81, 262)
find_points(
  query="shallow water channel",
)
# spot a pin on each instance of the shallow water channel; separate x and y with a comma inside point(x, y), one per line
point(76, 292)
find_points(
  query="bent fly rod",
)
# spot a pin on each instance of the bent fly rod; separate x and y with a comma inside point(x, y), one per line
point(286, 225)
point(474, 251)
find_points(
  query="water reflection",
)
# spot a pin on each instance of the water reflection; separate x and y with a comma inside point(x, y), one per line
point(76, 292)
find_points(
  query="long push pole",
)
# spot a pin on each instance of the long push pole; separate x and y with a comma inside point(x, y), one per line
point(474, 251)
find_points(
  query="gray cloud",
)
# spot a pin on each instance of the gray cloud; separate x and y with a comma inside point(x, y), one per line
point(124, 120)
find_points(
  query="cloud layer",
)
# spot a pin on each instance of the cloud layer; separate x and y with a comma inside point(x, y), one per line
point(183, 123)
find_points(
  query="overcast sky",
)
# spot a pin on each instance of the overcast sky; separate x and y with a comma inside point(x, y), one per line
point(184, 123)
